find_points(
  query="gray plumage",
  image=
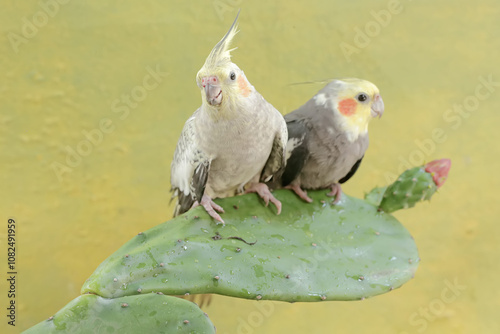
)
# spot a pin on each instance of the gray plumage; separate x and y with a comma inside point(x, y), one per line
point(321, 154)
point(325, 147)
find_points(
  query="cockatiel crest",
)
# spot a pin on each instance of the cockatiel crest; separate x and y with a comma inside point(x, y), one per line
point(220, 56)
point(222, 82)
point(232, 143)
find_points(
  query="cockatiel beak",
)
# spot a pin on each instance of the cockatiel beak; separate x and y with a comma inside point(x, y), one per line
point(213, 91)
point(377, 106)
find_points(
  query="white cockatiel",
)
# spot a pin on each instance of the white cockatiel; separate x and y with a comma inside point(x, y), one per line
point(328, 136)
point(232, 144)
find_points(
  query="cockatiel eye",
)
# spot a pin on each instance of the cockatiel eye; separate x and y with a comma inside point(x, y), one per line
point(232, 75)
point(362, 97)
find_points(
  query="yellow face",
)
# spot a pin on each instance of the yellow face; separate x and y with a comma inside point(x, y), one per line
point(222, 83)
point(222, 86)
point(358, 101)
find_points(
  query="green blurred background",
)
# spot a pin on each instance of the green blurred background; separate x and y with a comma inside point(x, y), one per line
point(67, 68)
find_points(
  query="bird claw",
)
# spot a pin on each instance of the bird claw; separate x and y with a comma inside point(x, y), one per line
point(211, 207)
point(336, 191)
point(276, 203)
point(301, 193)
point(263, 191)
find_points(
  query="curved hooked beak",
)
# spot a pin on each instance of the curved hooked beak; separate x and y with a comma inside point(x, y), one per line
point(377, 106)
point(214, 94)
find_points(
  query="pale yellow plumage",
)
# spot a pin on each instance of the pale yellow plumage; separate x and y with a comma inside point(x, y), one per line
point(235, 139)
point(357, 123)
point(218, 63)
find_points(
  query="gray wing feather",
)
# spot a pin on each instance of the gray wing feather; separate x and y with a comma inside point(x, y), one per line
point(297, 150)
point(189, 170)
point(351, 172)
point(277, 159)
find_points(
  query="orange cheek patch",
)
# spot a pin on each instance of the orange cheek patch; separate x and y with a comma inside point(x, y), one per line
point(243, 85)
point(347, 107)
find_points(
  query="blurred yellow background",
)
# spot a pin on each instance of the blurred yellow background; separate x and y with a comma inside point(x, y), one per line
point(114, 81)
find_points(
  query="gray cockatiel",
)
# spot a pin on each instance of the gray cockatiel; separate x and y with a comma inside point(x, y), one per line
point(232, 144)
point(328, 136)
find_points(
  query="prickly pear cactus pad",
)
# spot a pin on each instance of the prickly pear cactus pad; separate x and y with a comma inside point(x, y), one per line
point(311, 252)
point(151, 313)
point(414, 185)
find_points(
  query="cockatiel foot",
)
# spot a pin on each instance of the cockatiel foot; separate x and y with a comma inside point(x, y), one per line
point(301, 193)
point(263, 191)
point(210, 207)
point(336, 191)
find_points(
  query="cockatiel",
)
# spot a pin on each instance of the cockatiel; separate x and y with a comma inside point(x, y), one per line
point(328, 136)
point(232, 144)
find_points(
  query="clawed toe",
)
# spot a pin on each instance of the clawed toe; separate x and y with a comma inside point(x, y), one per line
point(301, 193)
point(263, 191)
point(276, 203)
point(211, 207)
point(336, 191)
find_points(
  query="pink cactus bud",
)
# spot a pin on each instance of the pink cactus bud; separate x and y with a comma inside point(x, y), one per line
point(439, 170)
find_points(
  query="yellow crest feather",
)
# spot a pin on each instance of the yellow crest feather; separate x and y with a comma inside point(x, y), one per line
point(221, 54)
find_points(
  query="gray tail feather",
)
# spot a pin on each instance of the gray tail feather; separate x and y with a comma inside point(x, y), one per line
point(180, 202)
point(184, 203)
point(177, 210)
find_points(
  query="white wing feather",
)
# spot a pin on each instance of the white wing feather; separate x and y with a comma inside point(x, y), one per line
point(189, 169)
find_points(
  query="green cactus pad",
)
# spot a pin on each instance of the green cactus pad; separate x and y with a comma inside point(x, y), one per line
point(151, 313)
point(413, 186)
point(375, 195)
point(311, 252)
